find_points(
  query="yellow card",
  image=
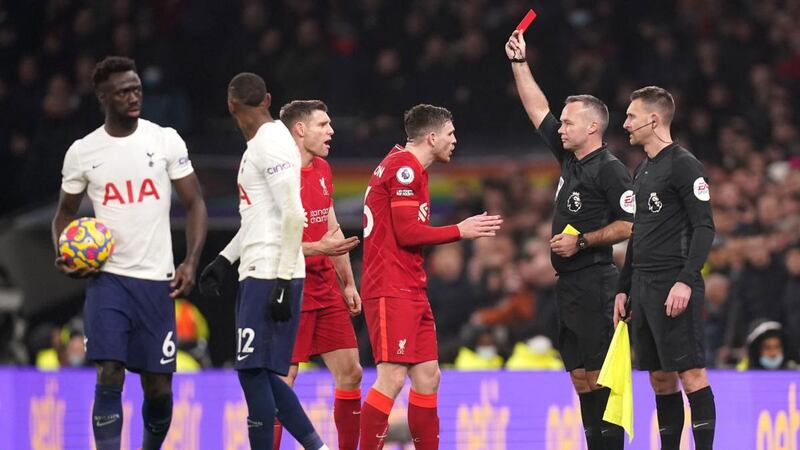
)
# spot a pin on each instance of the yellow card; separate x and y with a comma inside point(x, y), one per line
point(569, 229)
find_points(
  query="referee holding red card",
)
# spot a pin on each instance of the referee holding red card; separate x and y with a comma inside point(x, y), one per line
point(593, 211)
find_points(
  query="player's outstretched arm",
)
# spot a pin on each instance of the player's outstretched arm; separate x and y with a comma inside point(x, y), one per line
point(531, 95)
point(66, 211)
point(188, 189)
point(482, 225)
point(333, 243)
point(344, 271)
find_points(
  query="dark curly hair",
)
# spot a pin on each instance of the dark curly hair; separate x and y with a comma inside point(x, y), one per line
point(111, 65)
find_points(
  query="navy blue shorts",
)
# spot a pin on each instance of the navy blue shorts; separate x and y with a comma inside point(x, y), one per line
point(130, 320)
point(262, 343)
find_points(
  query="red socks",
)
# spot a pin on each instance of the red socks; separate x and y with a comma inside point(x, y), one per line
point(423, 420)
point(375, 420)
point(277, 428)
point(347, 416)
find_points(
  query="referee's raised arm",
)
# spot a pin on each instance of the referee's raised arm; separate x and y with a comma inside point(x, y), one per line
point(533, 99)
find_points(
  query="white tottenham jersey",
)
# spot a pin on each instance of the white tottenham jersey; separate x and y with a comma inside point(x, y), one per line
point(271, 158)
point(128, 180)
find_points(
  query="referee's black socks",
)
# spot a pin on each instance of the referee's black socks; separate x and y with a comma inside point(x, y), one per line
point(600, 435)
point(704, 417)
point(670, 420)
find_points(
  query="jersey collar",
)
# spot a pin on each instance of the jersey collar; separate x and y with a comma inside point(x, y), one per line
point(594, 154)
point(663, 152)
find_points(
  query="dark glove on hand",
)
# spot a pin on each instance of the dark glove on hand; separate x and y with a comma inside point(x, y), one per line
point(280, 305)
point(213, 275)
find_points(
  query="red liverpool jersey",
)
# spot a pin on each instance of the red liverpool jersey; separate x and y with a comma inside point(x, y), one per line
point(316, 188)
point(396, 227)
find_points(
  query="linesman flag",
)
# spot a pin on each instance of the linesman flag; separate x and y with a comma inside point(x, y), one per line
point(616, 375)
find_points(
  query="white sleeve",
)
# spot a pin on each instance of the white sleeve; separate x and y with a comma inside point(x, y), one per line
point(233, 251)
point(178, 163)
point(73, 177)
point(283, 178)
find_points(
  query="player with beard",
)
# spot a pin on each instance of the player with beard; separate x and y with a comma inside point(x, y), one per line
point(128, 168)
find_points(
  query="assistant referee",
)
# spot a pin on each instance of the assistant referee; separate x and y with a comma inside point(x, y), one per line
point(672, 233)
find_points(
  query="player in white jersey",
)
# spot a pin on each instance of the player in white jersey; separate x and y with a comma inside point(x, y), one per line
point(128, 167)
point(272, 267)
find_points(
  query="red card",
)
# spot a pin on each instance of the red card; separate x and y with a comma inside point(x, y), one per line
point(526, 20)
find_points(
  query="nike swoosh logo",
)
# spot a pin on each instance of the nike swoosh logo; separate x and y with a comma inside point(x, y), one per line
point(381, 436)
point(698, 425)
point(95, 166)
point(681, 357)
point(356, 413)
point(107, 421)
point(280, 299)
point(167, 360)
point(241, 358)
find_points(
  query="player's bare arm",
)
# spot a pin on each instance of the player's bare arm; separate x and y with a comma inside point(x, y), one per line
point(344, 271)
point(188, 189)
point(333, 243)
point(531, 95)
point(482, 225)
point(66, 212)
point(566, 245)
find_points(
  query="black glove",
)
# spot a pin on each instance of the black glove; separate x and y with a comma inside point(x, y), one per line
point(280, 305)
point(213, 275)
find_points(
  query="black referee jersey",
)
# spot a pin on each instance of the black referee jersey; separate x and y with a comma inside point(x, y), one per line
point(673, 227)
point(592, 192)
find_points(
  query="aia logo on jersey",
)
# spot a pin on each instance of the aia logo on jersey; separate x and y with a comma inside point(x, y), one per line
point(243, 198)
point(654, 203)
point(574, 202)
point(324, 187)
point(146, 189)
point(423, 212)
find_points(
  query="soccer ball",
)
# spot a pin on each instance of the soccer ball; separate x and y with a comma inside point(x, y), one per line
point(85, 243)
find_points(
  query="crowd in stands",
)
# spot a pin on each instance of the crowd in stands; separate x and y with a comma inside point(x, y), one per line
point(732, 66)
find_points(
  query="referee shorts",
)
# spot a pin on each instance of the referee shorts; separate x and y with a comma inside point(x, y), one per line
point(585, 322)
point(661, 342)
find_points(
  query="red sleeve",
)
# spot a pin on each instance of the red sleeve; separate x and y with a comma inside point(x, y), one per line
point(410, 232)
point(409, 219)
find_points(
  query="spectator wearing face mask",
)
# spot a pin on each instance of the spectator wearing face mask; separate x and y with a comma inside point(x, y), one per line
point(768, 348)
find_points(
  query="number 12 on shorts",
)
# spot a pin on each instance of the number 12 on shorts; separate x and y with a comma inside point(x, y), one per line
point(244, 342)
